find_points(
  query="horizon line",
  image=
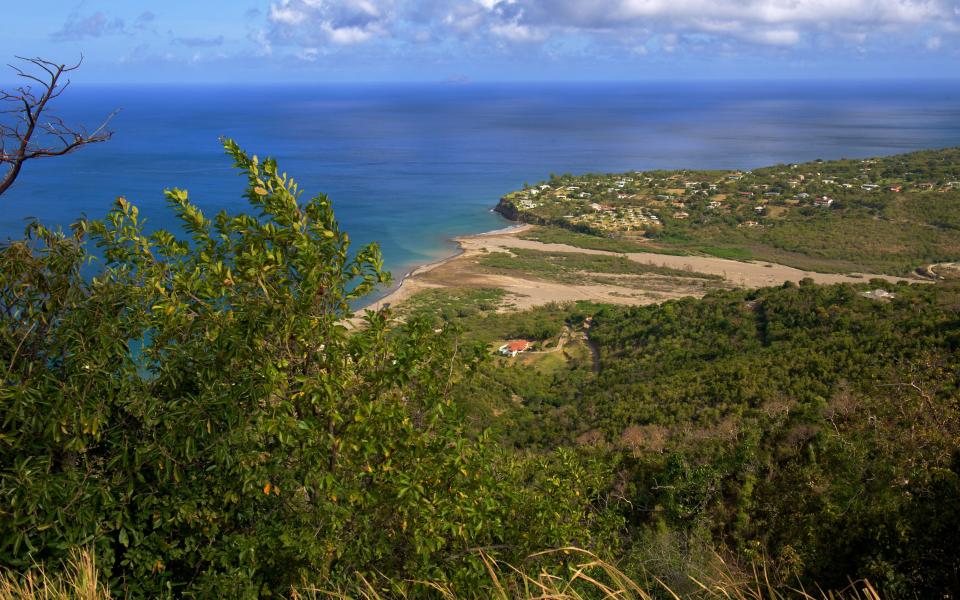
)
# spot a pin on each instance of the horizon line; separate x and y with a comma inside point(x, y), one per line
point(466, 82)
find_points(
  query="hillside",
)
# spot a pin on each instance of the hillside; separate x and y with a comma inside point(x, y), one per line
point(882, 215)
point(195, 415)
point(814, 424)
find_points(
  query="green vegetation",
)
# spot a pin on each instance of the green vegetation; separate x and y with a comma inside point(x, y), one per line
point(196, 415)
point(885, 215)
point(559, 235)
point(809, 424)
point(578, 268)
point(450, 304)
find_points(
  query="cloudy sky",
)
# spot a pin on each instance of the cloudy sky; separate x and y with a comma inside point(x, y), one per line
point(488, 40)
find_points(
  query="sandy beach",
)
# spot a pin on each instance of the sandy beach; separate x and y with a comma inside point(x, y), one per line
point(462, 270)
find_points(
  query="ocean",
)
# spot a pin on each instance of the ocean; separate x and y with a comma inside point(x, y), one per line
point(411, 166)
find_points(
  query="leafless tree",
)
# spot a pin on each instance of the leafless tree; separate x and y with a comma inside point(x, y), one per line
point(27, 130)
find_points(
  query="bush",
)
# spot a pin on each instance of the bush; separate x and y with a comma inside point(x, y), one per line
point(198, 414)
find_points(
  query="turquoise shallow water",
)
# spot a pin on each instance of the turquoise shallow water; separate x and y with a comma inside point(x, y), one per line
point(411, 166)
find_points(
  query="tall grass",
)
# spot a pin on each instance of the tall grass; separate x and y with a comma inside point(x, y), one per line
point(589, 579)
point(594, 579)
point(78, 579)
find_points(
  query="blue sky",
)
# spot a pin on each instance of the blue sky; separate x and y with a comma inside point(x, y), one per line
point(260, 41)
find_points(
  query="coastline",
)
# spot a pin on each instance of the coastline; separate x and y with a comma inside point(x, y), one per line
point(526, 290)
point(402, 290)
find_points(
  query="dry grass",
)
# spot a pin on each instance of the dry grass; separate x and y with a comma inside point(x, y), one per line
point(595, 579)
point(78, 580)
point(589, 579)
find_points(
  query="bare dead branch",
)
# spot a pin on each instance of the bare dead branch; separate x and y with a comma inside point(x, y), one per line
point(35, 133)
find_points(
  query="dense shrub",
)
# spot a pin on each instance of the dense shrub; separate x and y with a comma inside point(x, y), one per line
point(197, 412)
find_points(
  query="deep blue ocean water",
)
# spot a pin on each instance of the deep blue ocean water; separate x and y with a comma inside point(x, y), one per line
point(411, 166)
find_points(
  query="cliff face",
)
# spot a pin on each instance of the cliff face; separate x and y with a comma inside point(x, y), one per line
point(508, 209)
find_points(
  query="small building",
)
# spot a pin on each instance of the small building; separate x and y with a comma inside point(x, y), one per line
point(879, 294)
point(823, 202)
point(514, 348)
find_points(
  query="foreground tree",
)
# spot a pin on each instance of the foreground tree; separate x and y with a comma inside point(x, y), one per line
point(27, 130)
point(200, 415)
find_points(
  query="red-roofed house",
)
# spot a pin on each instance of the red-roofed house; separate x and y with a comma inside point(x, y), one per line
point(514, 348)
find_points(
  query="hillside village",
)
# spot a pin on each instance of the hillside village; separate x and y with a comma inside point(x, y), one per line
point(655, 203)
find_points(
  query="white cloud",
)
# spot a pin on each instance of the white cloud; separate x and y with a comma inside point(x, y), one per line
point(775, 37)
point(348, 35)
point(934, 43)
point(776, 22)
point(262, 41)
point(285, 15)
point(337, 21)
point(623, 24)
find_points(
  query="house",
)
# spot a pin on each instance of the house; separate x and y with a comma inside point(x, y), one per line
point(681, 215)
point(879, 294)
point(759, 209)
point(823, 202)
point(870, 187)
point(896, 188)
point(715, 204)
point(514, 348)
